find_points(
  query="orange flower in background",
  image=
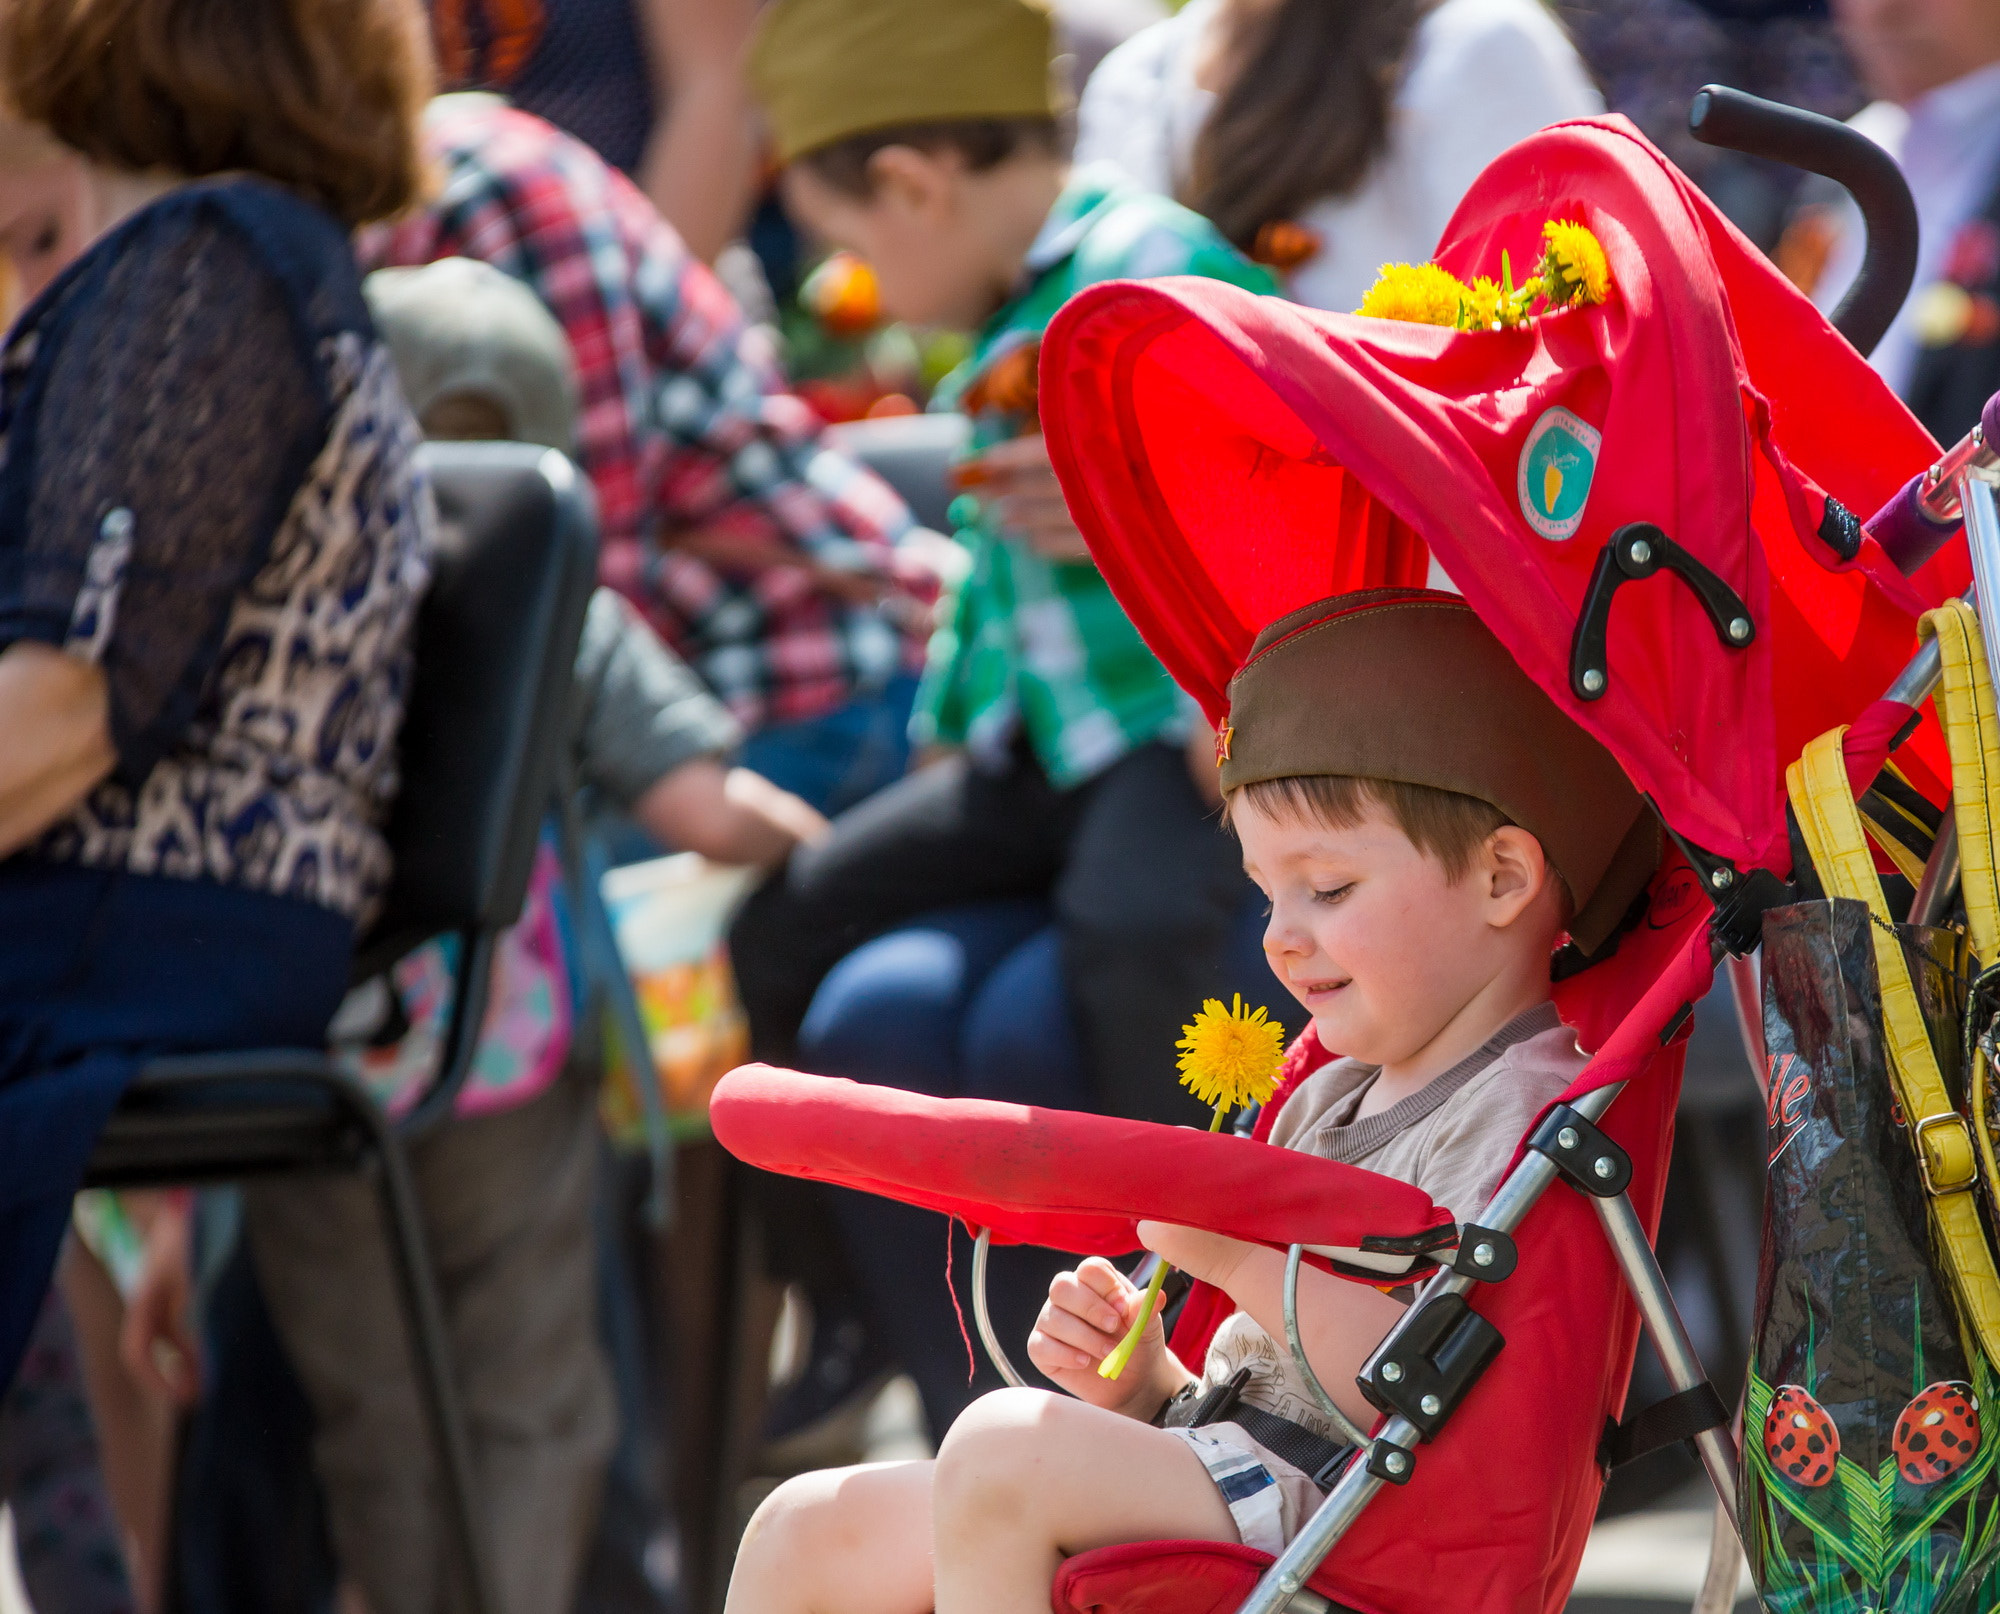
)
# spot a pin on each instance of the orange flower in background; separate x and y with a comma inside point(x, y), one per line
point(1285, 245)
point(484, 42)
point(842, 294)
point(1011, 383)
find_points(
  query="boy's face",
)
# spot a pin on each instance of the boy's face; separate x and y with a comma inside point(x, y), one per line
point(1382, 947)
point(919, 230)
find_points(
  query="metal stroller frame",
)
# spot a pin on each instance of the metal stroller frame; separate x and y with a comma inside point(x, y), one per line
point(1426, 1364)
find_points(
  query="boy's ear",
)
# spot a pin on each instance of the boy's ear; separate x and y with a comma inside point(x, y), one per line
point(914, 181)
point(1516, 870)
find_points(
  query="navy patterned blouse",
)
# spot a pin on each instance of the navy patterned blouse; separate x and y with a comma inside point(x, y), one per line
point(208, 489)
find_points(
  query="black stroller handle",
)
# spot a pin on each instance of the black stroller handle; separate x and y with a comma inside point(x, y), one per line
point(1720, 116)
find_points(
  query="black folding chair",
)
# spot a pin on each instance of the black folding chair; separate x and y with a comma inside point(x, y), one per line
point(488, 715)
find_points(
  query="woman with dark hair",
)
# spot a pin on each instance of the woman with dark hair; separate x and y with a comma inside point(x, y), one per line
point(213, 539)
point(1327, 137)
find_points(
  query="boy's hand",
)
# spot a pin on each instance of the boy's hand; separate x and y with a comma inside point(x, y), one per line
point(1020, 486)
point(1086, 1316)
point(157, 1340)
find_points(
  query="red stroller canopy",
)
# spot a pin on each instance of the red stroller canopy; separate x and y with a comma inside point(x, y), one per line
point(1232, 457)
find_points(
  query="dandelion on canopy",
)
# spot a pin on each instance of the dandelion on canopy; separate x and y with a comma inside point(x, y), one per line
point(1486, 306)
point(1419, 294)
point(1573, 272)
point(1574, 267)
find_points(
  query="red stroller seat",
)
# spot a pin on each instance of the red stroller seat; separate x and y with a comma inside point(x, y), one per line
point(1231, 458)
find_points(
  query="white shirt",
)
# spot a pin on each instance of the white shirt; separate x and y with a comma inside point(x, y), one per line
point(1947, 142)
point(1481, 74)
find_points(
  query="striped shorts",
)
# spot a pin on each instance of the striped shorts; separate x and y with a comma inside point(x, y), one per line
point(1267, 1497)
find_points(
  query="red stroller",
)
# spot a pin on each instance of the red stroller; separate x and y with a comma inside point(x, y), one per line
point(1231, 458)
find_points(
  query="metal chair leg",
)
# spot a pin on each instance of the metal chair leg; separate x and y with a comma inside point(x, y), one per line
point(430, 1360)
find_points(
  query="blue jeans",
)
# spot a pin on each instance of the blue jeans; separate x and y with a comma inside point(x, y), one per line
point(964, 1002)
point(843, 756)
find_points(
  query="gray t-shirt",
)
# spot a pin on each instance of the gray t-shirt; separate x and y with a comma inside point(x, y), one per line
point(639, 711)
point(1453, 1138)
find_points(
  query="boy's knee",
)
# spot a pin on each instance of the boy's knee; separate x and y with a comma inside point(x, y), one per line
point(993, 1454)
point(800, 1522)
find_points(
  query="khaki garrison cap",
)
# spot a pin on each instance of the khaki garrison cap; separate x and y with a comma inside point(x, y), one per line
point(827, 69)
point(1410, 685)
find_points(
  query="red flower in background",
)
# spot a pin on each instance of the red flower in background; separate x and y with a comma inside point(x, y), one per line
point(484, 42)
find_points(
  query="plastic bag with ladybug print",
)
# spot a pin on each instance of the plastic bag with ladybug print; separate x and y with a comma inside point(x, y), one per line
point(1869, 1480)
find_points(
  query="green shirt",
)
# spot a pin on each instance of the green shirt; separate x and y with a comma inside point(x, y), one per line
point(1036, 644)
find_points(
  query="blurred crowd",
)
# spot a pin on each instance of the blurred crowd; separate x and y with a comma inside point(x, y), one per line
point(774, 276)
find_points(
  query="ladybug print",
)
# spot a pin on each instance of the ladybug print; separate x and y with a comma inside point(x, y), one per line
point(1799, 1437)
point(1937, 1433)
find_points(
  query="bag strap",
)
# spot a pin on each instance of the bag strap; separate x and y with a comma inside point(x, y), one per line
point(1966, 710)
point(1947, 1160)
point(1972, 734)
point(1694, 1411)
point(1900, 822)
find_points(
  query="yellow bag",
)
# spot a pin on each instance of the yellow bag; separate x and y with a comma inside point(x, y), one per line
point(1951, 1150)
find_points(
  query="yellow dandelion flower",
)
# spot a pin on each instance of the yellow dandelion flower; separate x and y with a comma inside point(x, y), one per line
point(1486, 305)
point(1421, 294)
point(1230, 1057)
point(1574, 266)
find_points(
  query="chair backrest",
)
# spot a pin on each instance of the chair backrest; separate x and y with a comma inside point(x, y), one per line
point(489, 704)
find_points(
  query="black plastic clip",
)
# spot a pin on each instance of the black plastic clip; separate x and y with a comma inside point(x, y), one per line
point(1840, 531)
point(1591, 1161)
point(1636, 551)
point(1484, 1253)
point(1741, 900)
point(1430, 1360)
point(1388, 1461)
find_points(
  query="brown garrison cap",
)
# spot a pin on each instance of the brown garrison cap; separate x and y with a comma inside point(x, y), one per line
point(827, 69)
point(1412, 686)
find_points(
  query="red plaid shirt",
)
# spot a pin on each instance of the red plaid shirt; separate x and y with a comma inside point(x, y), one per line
point(765, 557)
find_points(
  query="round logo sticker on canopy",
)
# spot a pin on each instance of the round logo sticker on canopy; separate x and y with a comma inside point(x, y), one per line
point(1557, 463)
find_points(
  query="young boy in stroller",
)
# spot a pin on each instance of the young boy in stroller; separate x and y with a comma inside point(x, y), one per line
point(1644, 490)
point(1423, 851)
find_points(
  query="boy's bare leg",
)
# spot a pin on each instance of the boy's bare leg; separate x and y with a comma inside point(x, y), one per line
point(1026, 1479)
point(840, 1541)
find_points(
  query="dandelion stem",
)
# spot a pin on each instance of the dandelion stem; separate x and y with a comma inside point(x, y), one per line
point(1114, 1364)
point(1121, 1353)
